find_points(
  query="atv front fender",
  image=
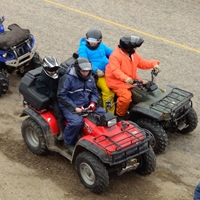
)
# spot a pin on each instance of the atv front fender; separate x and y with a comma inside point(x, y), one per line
point(139, 111)
point(114, 158)
point(83, 144)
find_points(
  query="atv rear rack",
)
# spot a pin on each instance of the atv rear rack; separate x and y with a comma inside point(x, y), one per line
point(173, 102)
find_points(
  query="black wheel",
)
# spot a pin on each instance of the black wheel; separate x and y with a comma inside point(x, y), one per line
point(147, 163)
point(191, 121)
point(4, 83)
point(34, 137)
point(159, 137)
point(35, 62)
point(92, 172)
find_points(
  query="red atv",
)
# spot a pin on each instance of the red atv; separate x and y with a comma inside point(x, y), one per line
point(104, 144)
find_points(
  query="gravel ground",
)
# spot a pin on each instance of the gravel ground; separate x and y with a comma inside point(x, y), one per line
point(170, 30)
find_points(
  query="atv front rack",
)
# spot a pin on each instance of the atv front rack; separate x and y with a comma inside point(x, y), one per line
point(173, 102)
point(124, 145)
point(23, 53)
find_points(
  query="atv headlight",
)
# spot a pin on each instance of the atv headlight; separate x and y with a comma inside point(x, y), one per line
point(108, 120)
point(112, 122)
point(4, 55)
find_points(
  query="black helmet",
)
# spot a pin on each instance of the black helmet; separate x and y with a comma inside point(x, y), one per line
point(83, 64)
point(128, 43)
point(50, 65)
point(93, 35)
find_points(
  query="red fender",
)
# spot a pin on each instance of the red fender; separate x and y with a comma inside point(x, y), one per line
point(52, 122)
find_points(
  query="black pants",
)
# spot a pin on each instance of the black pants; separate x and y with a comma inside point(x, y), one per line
point(58, 114)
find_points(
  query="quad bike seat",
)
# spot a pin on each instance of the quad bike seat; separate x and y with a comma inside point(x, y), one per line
point(27, 88)
point(13, 37)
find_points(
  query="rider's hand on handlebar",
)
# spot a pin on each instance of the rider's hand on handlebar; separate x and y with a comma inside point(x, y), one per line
point(100, 73)
point(79, 110)
point(92, 106)
point(157, 68)
point(129, 80)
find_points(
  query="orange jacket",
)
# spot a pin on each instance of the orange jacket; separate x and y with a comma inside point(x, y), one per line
point(120, 67)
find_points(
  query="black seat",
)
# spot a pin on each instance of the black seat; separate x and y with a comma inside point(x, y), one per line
point(27, 88)
point(15, 36)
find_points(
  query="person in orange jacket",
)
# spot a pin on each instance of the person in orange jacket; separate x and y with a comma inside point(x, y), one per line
point(122, 70)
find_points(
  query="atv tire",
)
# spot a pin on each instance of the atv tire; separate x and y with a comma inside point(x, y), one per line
point(34, 137)
point(4, 83)
point(160, 138)
point(191, 121)
point(92, 172)
point(35, 62)
point(147, 163)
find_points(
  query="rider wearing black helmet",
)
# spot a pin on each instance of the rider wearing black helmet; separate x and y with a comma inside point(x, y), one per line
point(77, 90)
point(122, 70)
point(130, 43)
point(83, 68)
point(47, 84)
point(92, 48)
point(93, 36)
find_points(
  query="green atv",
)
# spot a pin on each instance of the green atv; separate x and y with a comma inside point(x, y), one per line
point(157, 110)
point(161, 110)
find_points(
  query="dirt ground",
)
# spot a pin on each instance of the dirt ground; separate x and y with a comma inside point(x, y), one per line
point(171, 33)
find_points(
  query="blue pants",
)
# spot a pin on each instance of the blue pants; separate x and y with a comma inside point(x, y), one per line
point(75, 123)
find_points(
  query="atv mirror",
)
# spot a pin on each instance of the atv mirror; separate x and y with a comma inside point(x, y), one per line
point(1, 24)
point(2, 19)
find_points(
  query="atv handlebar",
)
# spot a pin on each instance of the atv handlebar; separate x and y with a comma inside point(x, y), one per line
point(154, 72)
point(84, 112)
point(138, 82)
point(149, 85)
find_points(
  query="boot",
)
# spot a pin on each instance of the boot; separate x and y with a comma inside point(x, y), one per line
point(61, 128)
point(69, 147)
point(60, 136)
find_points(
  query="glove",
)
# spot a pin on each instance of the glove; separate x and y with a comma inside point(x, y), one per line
point(92, 106)
point(99, 73)
point(81, 107)
point(129, 80)
point(157, 68)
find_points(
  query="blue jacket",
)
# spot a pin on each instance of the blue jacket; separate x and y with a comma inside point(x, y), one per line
point(98, 57)
point(197, 192)
point(73, 93)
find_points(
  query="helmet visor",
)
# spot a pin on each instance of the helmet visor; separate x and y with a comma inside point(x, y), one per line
point(52, 69)
point(85, 66)
point(93, 40)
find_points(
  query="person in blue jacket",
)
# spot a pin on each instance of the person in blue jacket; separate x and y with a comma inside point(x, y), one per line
point(197, 192)
point(92, 48)
point(77, 91)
